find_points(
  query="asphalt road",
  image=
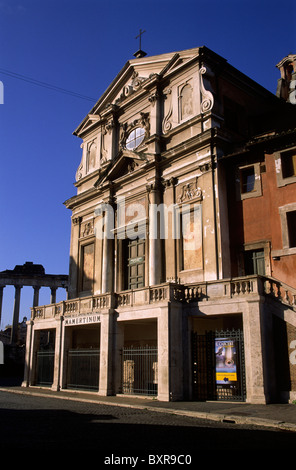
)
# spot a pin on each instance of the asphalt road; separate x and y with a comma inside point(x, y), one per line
point(30, 423)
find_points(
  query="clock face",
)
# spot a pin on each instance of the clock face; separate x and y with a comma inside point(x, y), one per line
point(135, 138)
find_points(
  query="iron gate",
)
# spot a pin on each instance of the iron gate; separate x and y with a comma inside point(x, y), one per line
point(44, 368)
point(83, 369)
point(218, 366)
point(139, 370)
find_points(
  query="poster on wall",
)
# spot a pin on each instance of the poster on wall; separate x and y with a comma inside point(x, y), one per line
point(226, 361)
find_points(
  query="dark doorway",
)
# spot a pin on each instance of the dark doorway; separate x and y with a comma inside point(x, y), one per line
point(218, 371)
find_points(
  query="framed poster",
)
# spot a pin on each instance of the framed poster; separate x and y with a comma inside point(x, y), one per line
point(226, 361)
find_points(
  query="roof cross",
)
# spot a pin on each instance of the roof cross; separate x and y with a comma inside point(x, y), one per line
point(140, 36)
point(140, 53)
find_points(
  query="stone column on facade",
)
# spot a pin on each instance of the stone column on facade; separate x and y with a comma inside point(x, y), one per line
point(106, 353)
point(155, 242)
point(74, 258)
point(171, 239)
point(16, 314)
point(155, 117)
point(108, 255)
point(56, 384)
point(1, 299)
point(27, 367)
point(36, 296)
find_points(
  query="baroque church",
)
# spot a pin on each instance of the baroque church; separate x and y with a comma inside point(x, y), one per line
point(183, 247)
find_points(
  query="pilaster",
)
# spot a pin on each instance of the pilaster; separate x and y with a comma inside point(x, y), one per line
point(170, 353)
point(56, 385)
point(155, 240)
point(28, 360)
point(252, 322)
point(108, 248)
point(106, 353)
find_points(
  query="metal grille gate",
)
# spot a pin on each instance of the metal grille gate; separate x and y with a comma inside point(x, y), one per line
point(44, 367)
point(83, 369)
point(139, 370)
point(209, 381)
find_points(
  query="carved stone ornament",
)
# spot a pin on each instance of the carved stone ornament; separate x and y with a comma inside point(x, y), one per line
point(104, 151)
point(133, 86)
point(207, 97)
point(76, 220)
point(79, 172)
point(189, 192)
point(166, 123)
point(87, 229)
point(153, 98)
point(143, 121)
point(80, 168)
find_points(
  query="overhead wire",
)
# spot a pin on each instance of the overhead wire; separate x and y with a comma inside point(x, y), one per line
point(45, 85)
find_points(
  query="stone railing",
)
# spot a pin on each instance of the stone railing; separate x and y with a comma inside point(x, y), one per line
point(240, 288)
point(81, 305)
point(280, 291)
point(150, 295)
point(225, 288)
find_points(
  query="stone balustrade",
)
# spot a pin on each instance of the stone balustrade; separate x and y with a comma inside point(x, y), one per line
point(238, 288)
point(87, 305)
point(280, 291)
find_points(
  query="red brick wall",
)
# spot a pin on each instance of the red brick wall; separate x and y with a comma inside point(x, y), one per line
point(257, 219)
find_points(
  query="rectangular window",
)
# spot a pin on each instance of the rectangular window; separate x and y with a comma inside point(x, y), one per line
point(254, 261)
point(285, 167)
point(247, 179)
point(288, 161)
point(291, 225)
point(87, 267)
point(135, 263)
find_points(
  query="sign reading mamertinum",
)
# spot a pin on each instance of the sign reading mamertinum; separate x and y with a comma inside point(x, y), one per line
point(82, 319)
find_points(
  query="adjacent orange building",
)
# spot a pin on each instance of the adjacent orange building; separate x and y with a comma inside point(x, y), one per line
point(262, 207)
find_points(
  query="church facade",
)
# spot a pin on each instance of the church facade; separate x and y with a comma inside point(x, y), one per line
point(166, 293)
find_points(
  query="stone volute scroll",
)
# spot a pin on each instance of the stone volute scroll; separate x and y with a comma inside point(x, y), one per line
point(207, 99)
point(166, 123)
point(79, 172)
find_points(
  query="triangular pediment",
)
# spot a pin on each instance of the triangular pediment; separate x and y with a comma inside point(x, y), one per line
point(126, 163)
point(134, 75)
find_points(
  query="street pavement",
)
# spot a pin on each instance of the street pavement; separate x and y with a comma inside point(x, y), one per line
point(45, 427)
point(279, 416)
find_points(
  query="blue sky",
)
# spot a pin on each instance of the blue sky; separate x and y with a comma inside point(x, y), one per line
point(80, 46)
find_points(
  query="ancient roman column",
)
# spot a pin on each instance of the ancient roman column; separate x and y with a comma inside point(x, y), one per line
point(36, 296)
point(1, 299)
point(53, 295)
point(16, 314)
